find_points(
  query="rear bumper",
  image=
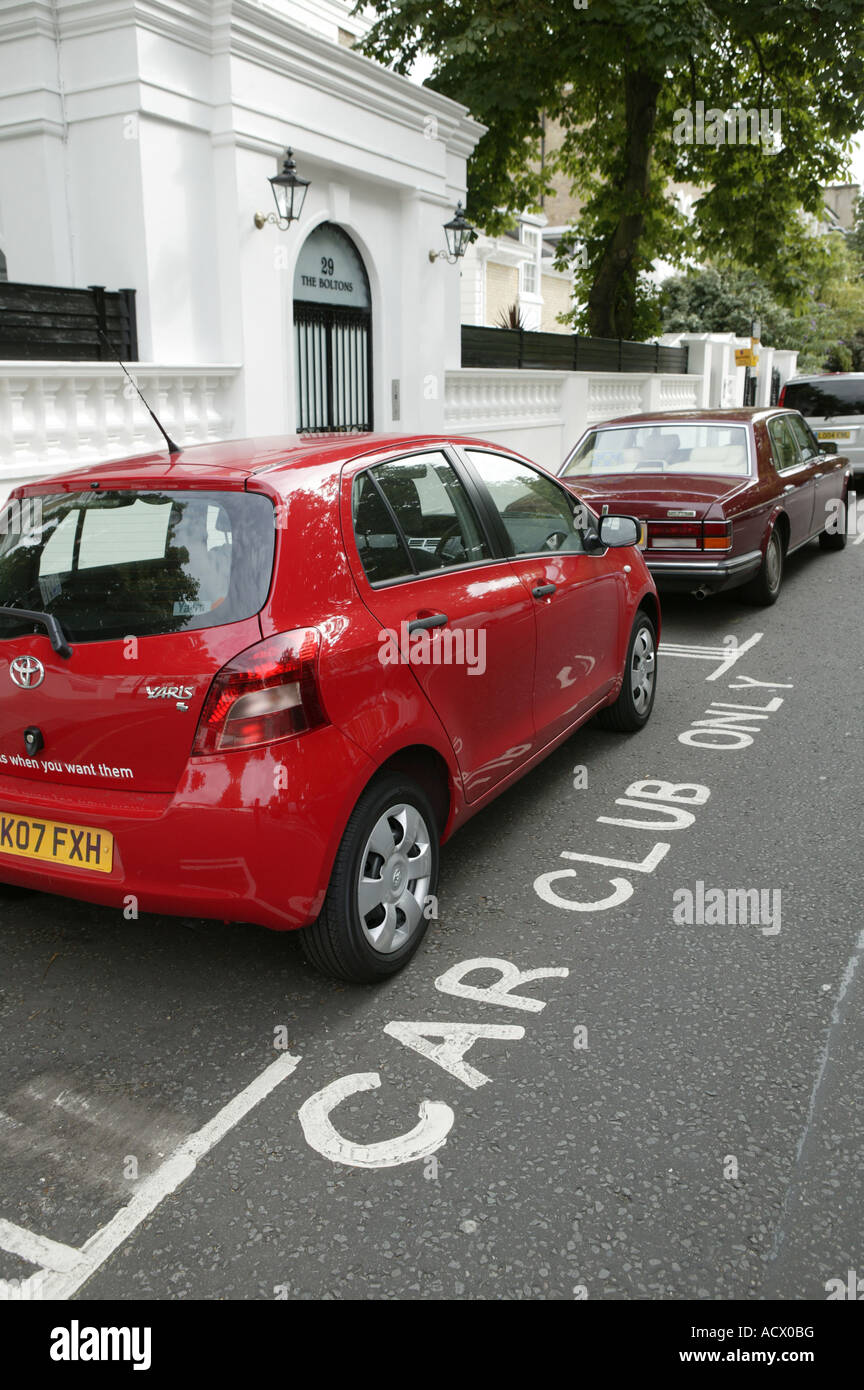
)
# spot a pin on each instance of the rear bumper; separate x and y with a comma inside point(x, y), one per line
point(246, 837)
point(685, 576)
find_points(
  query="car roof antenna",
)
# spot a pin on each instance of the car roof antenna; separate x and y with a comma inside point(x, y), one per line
point(172, 447)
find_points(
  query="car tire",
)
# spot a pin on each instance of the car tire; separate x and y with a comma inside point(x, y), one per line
point(632, 709)
point(836, 540)
point(392, 823)
point(765, 588)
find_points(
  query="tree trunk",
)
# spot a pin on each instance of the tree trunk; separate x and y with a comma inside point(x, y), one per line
point(612, 299)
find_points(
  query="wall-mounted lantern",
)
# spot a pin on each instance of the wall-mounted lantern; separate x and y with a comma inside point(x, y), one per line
point(459, 234)
point(289, 194)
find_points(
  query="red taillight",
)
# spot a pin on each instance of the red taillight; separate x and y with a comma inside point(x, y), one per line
point(718, 535)
point(267, 692)
point(782, 396)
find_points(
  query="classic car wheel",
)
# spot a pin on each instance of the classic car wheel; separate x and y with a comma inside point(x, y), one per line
point(836, 539)
point(766, 586)
point(385, 870)
point(635, 701)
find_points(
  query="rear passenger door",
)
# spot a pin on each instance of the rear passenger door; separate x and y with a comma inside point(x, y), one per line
point(796, 477)
point(577, 597)
point(455, 610)
point(828, 475)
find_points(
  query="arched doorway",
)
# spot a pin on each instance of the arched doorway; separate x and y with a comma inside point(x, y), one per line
point(332, 334)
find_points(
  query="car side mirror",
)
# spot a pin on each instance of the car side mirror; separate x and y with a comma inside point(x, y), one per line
point(828, 446)
point(618, 531)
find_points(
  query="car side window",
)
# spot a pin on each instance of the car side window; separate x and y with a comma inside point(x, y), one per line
point(381, 548)
point(436, 525)
point(804, 437)
point(538, 515)
point(783, 444)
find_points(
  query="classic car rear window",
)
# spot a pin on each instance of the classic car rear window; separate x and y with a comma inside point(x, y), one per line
point(120, 564)
point(825, 397)
point(672, 448)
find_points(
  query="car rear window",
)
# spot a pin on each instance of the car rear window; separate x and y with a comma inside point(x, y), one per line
point(829, 396)
point(672, 448)
point(120, 564)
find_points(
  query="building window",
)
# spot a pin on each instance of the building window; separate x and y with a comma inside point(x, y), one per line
point(529, 271)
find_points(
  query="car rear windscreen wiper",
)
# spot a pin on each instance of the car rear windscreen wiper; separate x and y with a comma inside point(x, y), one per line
point(50, 623)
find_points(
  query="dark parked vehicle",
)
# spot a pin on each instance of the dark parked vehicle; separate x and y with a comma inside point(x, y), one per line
point(724, 496)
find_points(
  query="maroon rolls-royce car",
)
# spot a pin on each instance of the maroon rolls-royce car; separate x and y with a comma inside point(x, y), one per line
point(723, 495)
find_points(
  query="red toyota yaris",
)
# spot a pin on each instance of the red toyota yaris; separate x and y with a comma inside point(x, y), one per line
point(262, 681)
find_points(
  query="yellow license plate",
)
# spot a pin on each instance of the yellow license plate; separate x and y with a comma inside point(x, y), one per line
point(55, 842)
point(833, 434)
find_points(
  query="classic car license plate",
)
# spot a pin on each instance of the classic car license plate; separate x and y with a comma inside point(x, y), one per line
point(56, 842)
point(833, 434)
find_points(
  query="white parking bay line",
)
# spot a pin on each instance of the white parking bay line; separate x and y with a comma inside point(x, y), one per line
point(62, 1283)
point(727, 655)
point(36, 1250)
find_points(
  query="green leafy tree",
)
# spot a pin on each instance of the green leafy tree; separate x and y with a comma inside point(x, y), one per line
point(617, 75)
point(723, 301)
point(825, 325)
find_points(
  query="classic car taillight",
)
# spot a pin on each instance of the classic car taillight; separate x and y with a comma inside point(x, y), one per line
point(718, 535)
point(782, 396)
point(674, 535)
point(267, 692)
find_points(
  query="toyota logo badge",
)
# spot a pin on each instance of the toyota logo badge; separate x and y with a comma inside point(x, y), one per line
point(27, 671)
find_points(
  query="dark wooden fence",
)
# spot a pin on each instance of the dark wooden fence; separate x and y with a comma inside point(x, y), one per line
point(565, 352)
point(48, 322)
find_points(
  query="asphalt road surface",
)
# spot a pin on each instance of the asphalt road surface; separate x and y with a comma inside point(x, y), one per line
point(677, 1121)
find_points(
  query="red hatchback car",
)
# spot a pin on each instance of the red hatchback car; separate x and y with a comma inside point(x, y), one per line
point(262, 681)
point(724, 496)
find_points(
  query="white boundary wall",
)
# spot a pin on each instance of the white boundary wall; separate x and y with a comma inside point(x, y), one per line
point(542, 414)
point(712, 356)
point(55, 416)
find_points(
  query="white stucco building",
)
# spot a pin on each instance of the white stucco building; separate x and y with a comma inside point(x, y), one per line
point(136, 141)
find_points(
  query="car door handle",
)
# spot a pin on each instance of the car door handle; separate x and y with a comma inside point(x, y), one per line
point(433, 620)
point(790, 487)
point(542, 590)
point(817, 475)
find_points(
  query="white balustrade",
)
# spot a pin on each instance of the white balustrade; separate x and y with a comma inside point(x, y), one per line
point(543, 413)
point(55, 416)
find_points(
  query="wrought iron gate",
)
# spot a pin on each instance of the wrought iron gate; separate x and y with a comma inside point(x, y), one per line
point(333, 369)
